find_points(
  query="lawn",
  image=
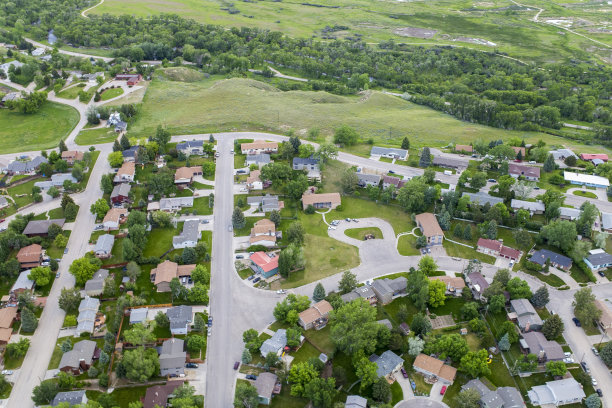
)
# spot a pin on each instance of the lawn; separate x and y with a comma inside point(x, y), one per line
point(360, 233)
point(22, 194)
point(246, 230)
point(305, 353)
point(455, 250)
point(201, 206)
point(160, 241)
point(586, 194)
point(58, 213)
point(406, 245)
point(53, 251)
point(57, 354)
point(72, 92)
point(111, 93)
point(21, 132)
point(396, 393)
point(321, 338)
point(95, 136)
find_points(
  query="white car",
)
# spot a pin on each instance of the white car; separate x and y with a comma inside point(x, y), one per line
point(594, 382)
point(567, 354)
point(281, 291)
point(331, 227)
point(568, 360)
point(7, 372)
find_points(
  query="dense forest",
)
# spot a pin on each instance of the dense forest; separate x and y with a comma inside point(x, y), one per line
point(471, 85)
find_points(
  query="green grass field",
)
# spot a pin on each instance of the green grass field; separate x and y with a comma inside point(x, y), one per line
point(360, 233)
point(95, 136)
point(41, 130)
point(72, 92)
point(586, 194)
point(111, 93)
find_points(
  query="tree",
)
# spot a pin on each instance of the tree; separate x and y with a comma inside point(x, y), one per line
point(29, 323)
point(251, 340)
point(99, 208)
point(71, 210)
point(556, 368)
point(593, 400)
point(53, 192)
point(478, 180)
point(584, 307)
point(348, 181)
point(427, 265)
point(509, 328)
point(238, 220)
point(418, 289)
point(468, 398)
point(497, 303)
point(437, 293)
point(132, 270)
point(523, 239)
point(275, 217)
point(477, 325)
point(319, 293)
point(162, 320)
point(125, 142)
point(469, 310)
point(246, 396)
point(195, 344)
point(381, 391)
point(139, 334)
point(354, 328)
point(321, 392)
point(504, 343)
point(18, 349)
point(293, 336)
point(69, 300)
point(420, 324)
point(366, 372)
point(44, 393)
point(199, 324)
point(584, 223)
point(246, 356)
point(83, 269)
point(415, 346)
point(425, 160)
point(106, 184)
point(518, 289)
point(405, 143)
point(201, 274)
point(66, 345)
point(549, 164)
point(115, 159)
point(162, 219)
point(429, 175)
point(570, 161)
point(540, 297)
point(306, 150)
point(295, 233)
point(348, 282)
point(300, 375)
point(327, 152)
point(41, 275)
point(345, 136)
point(474, 363)
point(467, 233)
point(140, 364)
point(606, 353)
point(198, 294)
point(561, 234)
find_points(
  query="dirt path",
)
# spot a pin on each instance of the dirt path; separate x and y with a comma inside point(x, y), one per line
point(91, 8)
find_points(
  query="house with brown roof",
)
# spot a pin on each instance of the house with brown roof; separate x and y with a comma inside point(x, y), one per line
point(266, 383)
point(7, 318)
point(158, 395)
point(258, 147)
point(432, 367)
point(114, 217)
point(528, 172)
point(388, 181)
point(318, 201)
point(253, 181)
point(464, 148)
point(30, 256)
point(454, 284)
point(428, 224)
point(518, 149)
point(126, 173)
point(72, 156)
point(315, 316)
point(184, 175)
point(477, 283)
point(166, 271)
point(497, 249)
point(605, 320)
point(263, 233)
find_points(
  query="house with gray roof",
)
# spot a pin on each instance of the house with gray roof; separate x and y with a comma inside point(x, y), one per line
point(477, 284)
point(502, 397)
point(40, 228)
point(265, 385)
point(139, 315)
point(189, 236)
point(598, 259)
point(3, 202)
point(308, 163)
point(104, 246)
point(355, 401)
point(260, 159)
point(274, 344)
point(23, 283)
point(70, 397)
point(121, 193)
point(559, 392)
point(25, 166)
point(534, 207)
point(88, 308)
point(5, 67)
point(180, 319)
point(526, 315)
point(191, 147)
point(172, 357)
point(387, 364)
point(386, 288)
point(559, 261)
point(266, 203)
point(606, 221)
point(571, 214)
point(57, 180)
point(364, 180)
point(95, 285)
point(364, 292)
point(386, 323)
point(131, 154)
point(79, 359)
point(173, 204)
point(562, 154)
point(546, 350)
point(449, 163)
point(389, 152)
point(482, 198)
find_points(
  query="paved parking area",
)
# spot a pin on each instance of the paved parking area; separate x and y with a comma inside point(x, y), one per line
point(421, 402)
point(502, 263)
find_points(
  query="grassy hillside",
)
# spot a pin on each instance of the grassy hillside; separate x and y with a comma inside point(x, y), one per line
point(243, 104)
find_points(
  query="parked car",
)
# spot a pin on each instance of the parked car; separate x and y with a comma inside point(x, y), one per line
point(567, 354)
point(347, 219)
point(191, 365)
point(65, 250)
point(251, 277)
point(585, 367)
point(404, 373)
point(256, 280)
point(532, 162)
point(230, 228)
point(576, 321)
point(217, 154)
point(594, 382)
point(355, 220)
point(205, 221)
point(236, 365)
point(492, 180)
point(57, 275)
point(2, 220)
point(443, 390)
point(602, 274)
point(391, 171)
point(594, 350)
point(240, 171)
point(281, 291)
point(536, 188)
point(568, 360)
point(429, 250)
point(251, 377)
point(7, 372)
point(239, 256)
point(598, 391)
point(331, 227)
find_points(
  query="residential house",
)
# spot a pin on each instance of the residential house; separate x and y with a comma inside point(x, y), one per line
point(25, 166)
point(449, 163)
point(3, 202)
point(5, 67)
point(518, 149)
point(30, 256)
point(454, 284)
point(40, 228)
point(586, 179)
point(126, 173)
point(172, 357)
point(387, 364)
point(189, 237)
point(131, 154)
point(364, 292)
point(70, 397)
point(388, 181)
point(121, 194)
point(464, 148)
point(265, 384)
point(364, 180)
point(57, 180)
point(183, 176)
point(598, 259)
point(275, 344)
point(114, 218)
point(267, 203)
point(171, 204)
point(253, 181)
point(606, 221)
point(526, 315)
point(594, 156)
point(132, 79)
point(530, 173)
point(11, 96)
point(263, 233)
point(570, 214)
point(8, 315)
point(502, 397)
point(180, 319)
point(95, 286)
point(534, 207)
point(497, 249)
point(309, 165)
point(92, 77)
point(138, 315)
point(562, 154)
point(355, 401)
point(432, 367)
point(546, 350)
point(389, 152)
point(157, 396)
point(428, 224)
point(258, 147)
point(191, 147)
point(258, 159)
point(168, 270)
point(315, 316)
point(319, 201)
point(557, 393)
point(265, 264)
point(404, 328)
point(386, 288)
point(104, 246)
point(22, 284)
point(72, 156)
point(558, 261)
point(482, 198)
point(88, 313)
point(605, 320)
point(477, 284)
point(79, 359)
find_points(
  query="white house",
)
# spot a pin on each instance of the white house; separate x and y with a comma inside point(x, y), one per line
point(189, 236)
point(389, 152)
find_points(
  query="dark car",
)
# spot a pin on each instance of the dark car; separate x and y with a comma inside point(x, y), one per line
point(239, 256)
point(576, 321)
point(585, 367)
point(3, 219)
point(492, 180)
point(236, 365)
point(598, 391)
point(602, 274)
point(251, 377)
point(240, 171)
point(256, 280)
point(404, 373)
point(391, 171)
point(191, 365)
point(251, 277)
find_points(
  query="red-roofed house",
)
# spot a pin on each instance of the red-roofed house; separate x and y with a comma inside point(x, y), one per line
point(593, 156)
point(265, 264)
point(132, 79)
point(496, 248)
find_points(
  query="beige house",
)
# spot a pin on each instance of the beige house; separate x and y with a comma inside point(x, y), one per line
point(428, 224)
point(168, 270)
point(258, 147)
point(263, 233)
point(327, 200)
point(253, 181)
point(454, 284)
point(126, 173)
point(114, 217)
point(184, 175)
point(72, 156)
point(432, 367)
point(315, 316)
point(605, 321)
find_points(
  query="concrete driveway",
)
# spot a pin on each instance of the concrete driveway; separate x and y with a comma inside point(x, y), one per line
point(434, 394)
point(405, 384)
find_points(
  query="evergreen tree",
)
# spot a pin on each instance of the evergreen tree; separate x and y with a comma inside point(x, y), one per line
point(540, 297)
point(238, 220)
point(519, 155)
point(319, 293)
point(116, 146)
point(467, 233)
point(458, 231)
point(504, 343)
point(549, 164)
point(246, 356)
point(29, 323)
point(125, 143)
point(425, 159)
point(405, 143)
point(66, 345)
point(62, 146)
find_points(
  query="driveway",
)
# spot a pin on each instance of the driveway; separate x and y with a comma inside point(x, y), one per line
point(420, 402)
point(434, 394)
point(405, 384)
